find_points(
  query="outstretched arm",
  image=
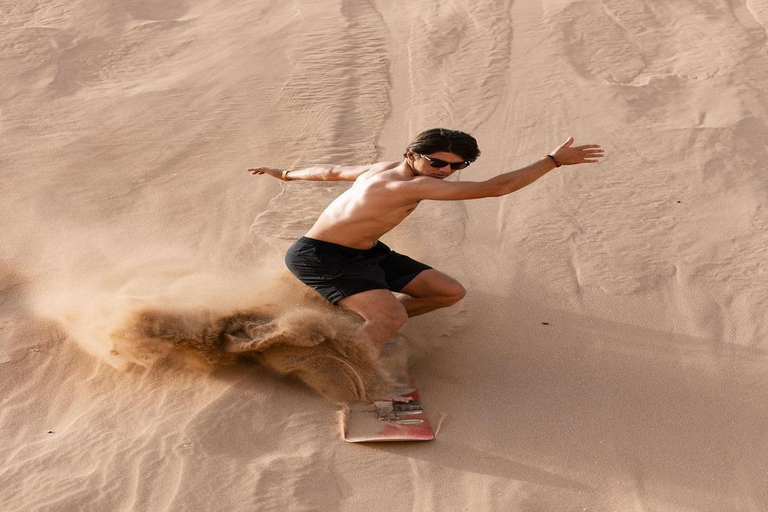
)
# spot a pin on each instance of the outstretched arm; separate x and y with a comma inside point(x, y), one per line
point(315, 173)
point(503, 184)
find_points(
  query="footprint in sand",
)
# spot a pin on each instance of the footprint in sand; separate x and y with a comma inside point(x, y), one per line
point(156, 11)
point(633, 42)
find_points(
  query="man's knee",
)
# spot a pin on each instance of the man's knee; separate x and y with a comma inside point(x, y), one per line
point(392, 318)
point(453, 294)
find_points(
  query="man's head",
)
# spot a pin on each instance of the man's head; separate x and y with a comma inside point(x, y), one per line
point(439, 151)
point(447, 141)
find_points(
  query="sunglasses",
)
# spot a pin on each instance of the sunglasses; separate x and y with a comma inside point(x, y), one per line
point(439, 164)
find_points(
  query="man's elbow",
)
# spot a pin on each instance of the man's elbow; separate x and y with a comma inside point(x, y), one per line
point(332, 173)
point(507, 189)
point(498, 191)
point(495, 188)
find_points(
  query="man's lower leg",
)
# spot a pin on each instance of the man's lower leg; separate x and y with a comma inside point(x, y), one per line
point(373, 334)
point(415, 306)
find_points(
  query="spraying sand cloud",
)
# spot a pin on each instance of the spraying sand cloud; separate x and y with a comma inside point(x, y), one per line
point(310, 341)
point(209, 318)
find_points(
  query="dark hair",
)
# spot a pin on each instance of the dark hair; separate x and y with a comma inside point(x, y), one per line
point(443, 139)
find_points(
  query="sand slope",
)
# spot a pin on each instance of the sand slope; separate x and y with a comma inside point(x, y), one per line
point(610, 354)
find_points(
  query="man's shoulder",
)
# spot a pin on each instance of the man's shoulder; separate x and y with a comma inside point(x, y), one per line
point(384, 171)
point(385, 166)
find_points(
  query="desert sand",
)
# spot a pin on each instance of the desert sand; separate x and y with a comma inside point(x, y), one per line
point(610, 354)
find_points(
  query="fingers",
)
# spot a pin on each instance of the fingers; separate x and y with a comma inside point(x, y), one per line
point(584, 154)
point(591, 157)
point(591, 151)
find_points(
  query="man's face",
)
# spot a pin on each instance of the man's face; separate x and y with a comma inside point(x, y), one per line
point(424, 165)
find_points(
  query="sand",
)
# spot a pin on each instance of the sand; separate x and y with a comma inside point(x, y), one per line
point(610, 354)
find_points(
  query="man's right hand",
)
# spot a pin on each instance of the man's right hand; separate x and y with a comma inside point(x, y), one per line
point(275, 173)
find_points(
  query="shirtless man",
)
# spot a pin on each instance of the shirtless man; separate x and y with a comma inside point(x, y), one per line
point(342, 258)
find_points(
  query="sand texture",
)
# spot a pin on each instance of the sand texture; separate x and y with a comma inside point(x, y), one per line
point(610, 354)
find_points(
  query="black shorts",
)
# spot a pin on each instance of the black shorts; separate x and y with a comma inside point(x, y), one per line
point(337, 271)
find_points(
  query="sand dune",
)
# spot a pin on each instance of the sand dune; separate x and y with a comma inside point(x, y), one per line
point(609, 356)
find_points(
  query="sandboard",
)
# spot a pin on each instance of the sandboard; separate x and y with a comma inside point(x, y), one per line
point(388, 420)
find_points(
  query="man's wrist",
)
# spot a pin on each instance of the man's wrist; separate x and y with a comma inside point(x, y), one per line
point(555, 160)
point(285, 177)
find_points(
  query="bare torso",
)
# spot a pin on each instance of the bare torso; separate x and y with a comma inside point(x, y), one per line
point(367, 210)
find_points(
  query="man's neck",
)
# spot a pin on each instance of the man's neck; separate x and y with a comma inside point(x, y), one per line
point(410, 168)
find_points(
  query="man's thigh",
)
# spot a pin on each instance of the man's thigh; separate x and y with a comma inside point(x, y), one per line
point(431, 283)
point(372, 303)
